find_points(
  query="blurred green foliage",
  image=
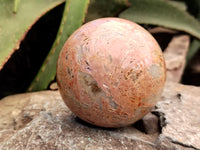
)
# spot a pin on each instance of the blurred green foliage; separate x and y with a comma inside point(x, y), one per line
point(19, 20)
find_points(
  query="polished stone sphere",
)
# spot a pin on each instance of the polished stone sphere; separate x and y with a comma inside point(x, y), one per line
point(111, 72)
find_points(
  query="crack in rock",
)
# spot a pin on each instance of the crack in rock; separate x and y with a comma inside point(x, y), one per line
point(178, 115)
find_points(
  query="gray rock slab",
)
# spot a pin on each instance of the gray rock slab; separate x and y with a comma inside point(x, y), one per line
point(41, 120)
point(175, 57)
point(148, 124)
point(179, 115)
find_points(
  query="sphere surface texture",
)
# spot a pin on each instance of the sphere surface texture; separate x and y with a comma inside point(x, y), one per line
point(111, 72)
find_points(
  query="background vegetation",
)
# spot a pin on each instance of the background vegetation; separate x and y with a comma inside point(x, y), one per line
point(32, 32)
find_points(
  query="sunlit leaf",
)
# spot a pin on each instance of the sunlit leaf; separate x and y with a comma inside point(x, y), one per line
point(14, 26)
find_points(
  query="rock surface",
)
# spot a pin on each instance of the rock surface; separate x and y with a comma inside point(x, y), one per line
point(148, 124)
point(175, 56)
point(42, 121)
point(180, 112)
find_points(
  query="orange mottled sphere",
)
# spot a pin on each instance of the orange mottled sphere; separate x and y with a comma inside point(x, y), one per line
point(111, 72)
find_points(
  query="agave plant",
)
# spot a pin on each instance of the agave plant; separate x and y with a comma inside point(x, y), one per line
point(32, 33)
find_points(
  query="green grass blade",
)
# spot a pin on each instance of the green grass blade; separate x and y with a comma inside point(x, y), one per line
point(161, 13)
point(13, 27)
point(73, 18)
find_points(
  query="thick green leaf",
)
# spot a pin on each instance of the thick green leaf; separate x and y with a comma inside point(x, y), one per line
point(105, 8)
point(194, 47)
point(179, 4)
point(161, 13)
point(13, 27)
point(73, 18)
point(194, 9)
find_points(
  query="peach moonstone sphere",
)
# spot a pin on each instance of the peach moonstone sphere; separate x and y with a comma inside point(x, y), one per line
point(111, 72)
